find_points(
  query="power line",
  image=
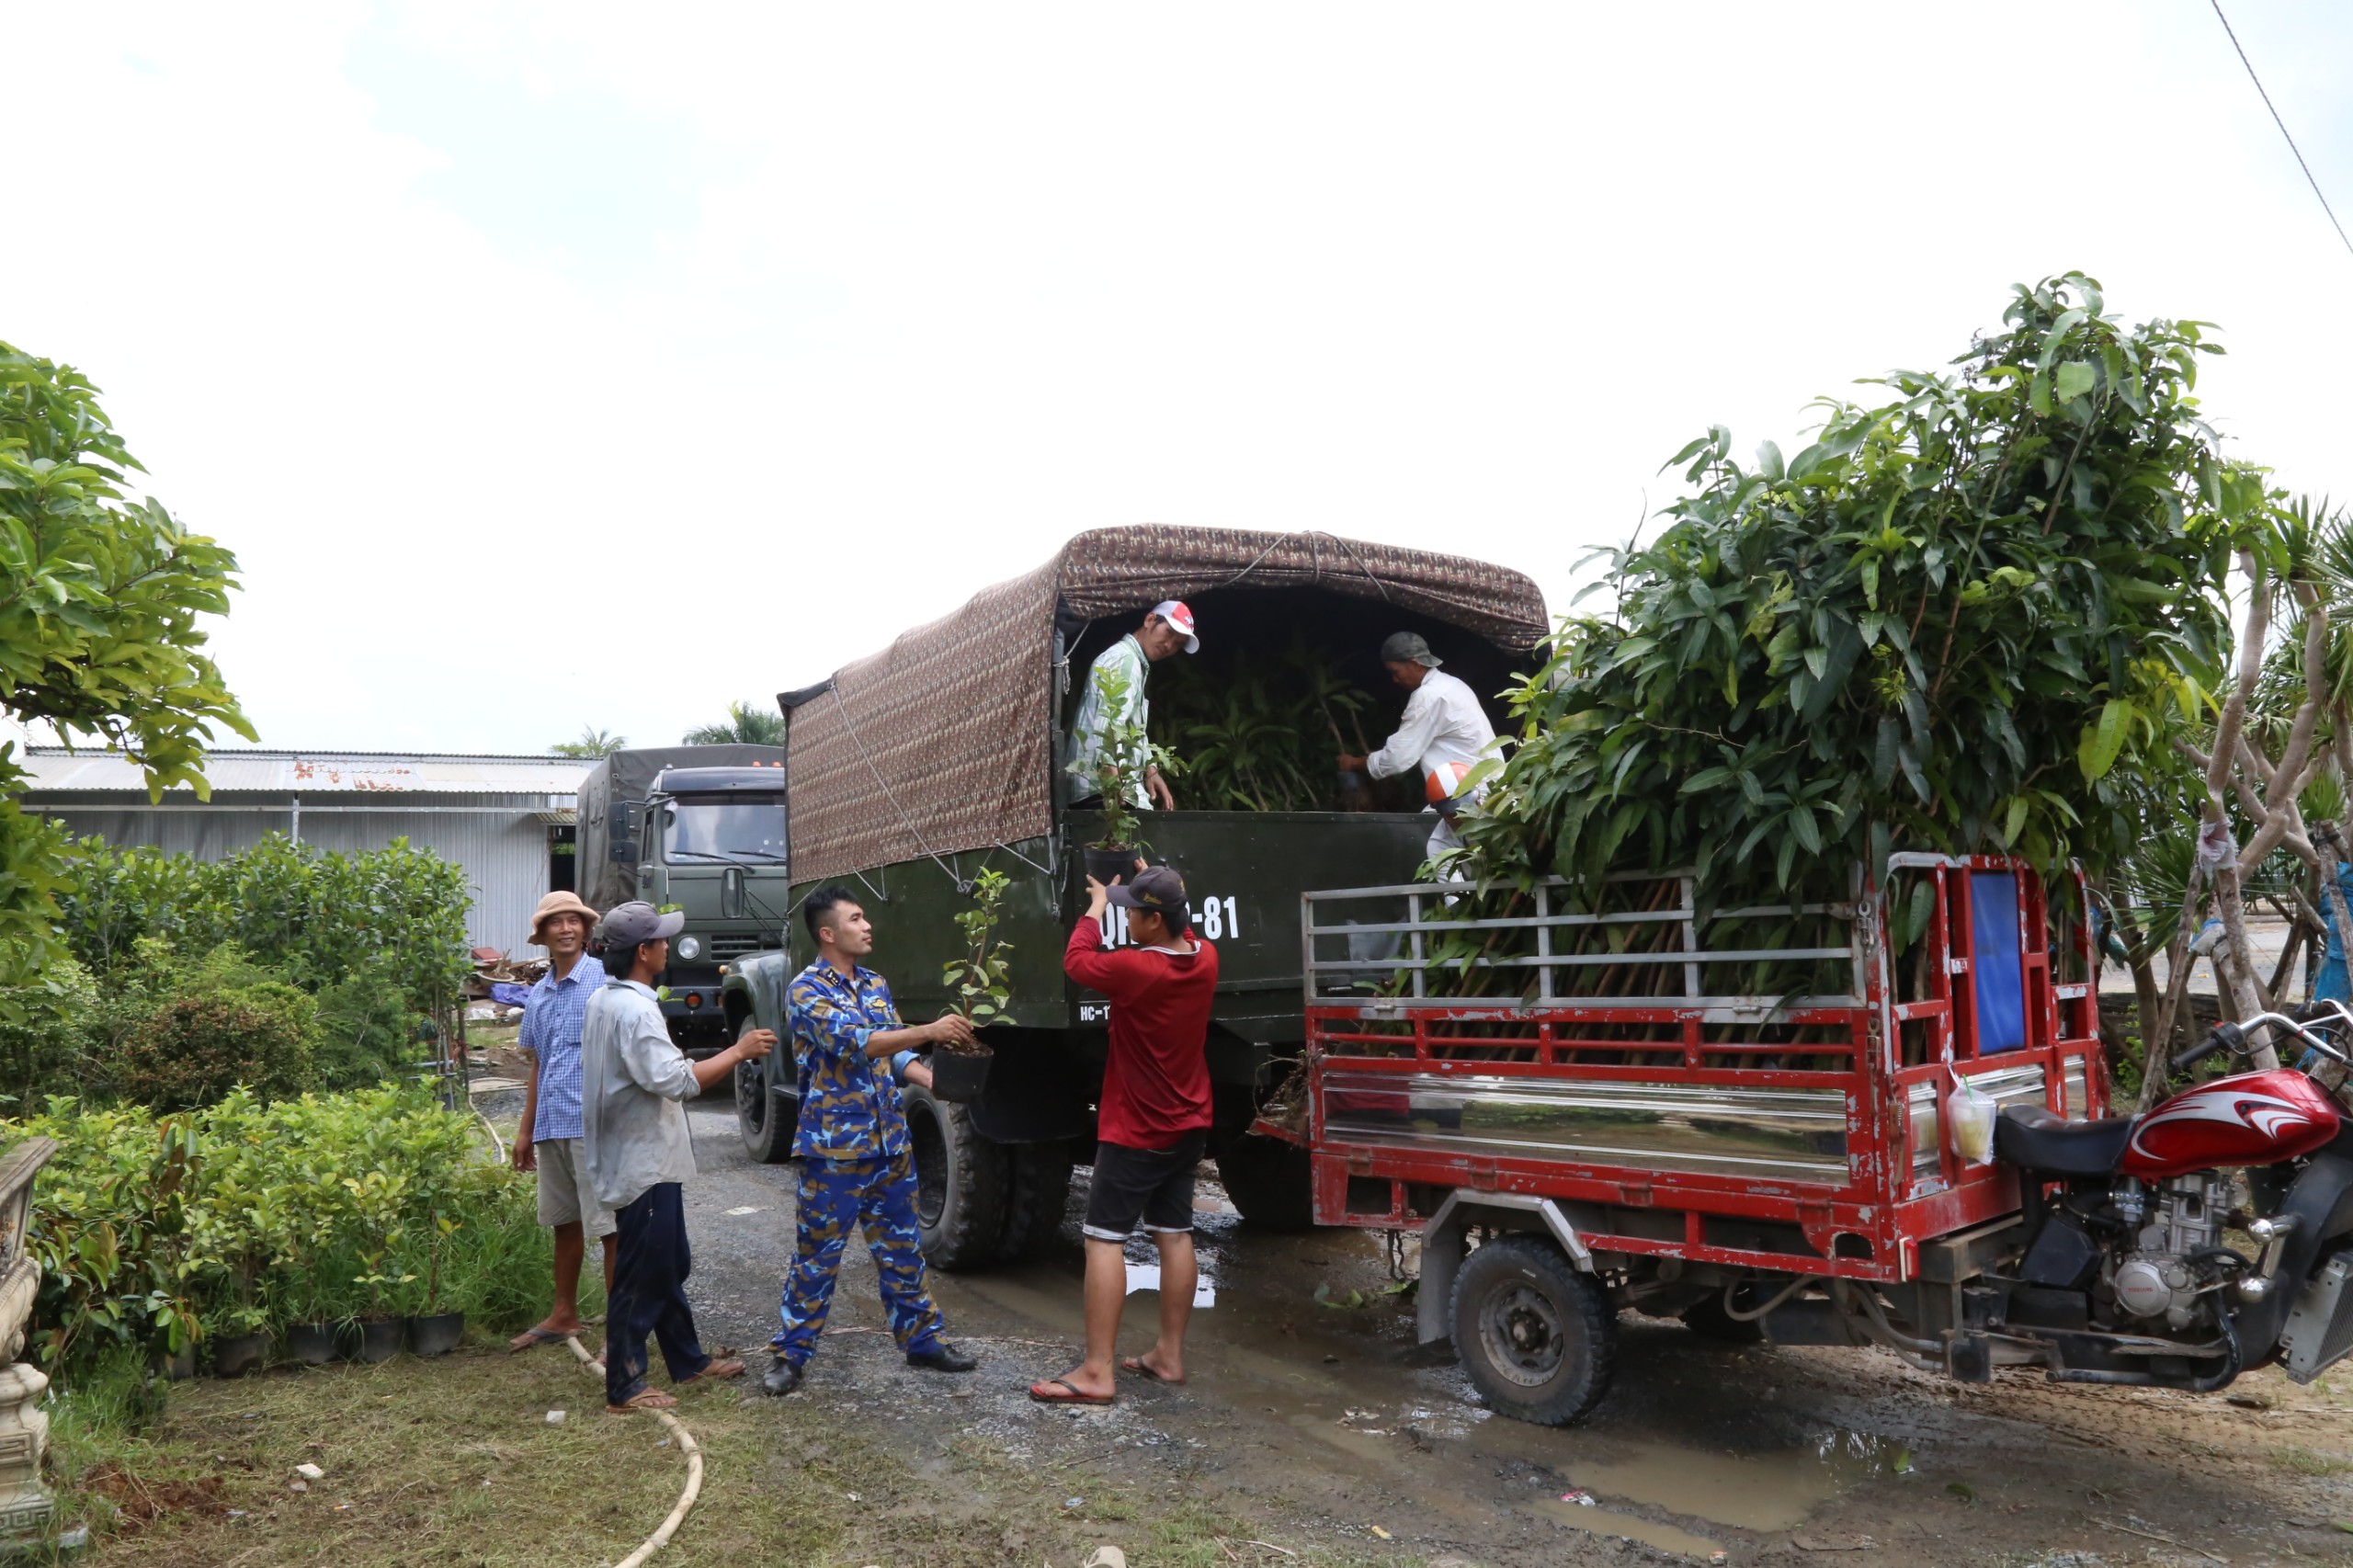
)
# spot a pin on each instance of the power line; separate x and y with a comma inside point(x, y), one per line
point(2280, 123)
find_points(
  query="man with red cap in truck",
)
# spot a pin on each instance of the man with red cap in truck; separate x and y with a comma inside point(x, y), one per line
point(1442, 735)
point(1114, 697)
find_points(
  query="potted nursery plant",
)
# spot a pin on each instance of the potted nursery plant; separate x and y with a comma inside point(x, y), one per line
point(978, 982)
point(377, 1201)
point(1121, 763)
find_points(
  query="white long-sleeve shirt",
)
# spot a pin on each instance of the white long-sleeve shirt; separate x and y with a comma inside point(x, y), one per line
point(1442, 722)
point(632, 1079)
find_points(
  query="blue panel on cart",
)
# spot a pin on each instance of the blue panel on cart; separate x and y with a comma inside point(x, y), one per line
point(1994, 967)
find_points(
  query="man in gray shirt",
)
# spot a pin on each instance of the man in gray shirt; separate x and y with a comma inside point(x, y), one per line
point(636, 1146)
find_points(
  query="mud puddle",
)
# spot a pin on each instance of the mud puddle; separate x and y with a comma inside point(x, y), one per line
point(1662, 1467)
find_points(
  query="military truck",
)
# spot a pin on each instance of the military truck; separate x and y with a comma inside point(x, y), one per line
point(918, 768)
point(701, 828)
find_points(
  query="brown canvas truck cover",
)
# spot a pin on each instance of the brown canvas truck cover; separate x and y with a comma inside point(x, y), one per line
point(944, 742)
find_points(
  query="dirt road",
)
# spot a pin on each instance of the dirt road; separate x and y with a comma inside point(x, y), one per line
point(1312, 1413)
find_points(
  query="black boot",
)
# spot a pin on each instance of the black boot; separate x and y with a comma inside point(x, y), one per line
point(782, 1377)
point(943, 1358)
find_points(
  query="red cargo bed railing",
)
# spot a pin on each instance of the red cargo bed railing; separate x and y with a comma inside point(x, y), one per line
point(1670, 1114)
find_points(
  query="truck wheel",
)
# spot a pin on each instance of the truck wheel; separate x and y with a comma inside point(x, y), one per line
point(1538, 1338)
point(765, 1126)
point(1269, 1181)
point(1035, 1200)
point(960, 1181)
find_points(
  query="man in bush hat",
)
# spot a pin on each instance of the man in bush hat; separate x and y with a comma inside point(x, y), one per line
point(633, 1132)
point(1114, 694)
point(1441, 736)
point(548, 1138)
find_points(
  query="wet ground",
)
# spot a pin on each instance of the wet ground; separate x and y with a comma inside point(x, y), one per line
point(1315, 1414)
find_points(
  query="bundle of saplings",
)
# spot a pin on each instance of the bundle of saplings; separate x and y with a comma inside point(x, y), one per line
point(1959, 621)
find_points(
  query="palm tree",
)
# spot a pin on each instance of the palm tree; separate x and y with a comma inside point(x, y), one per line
point(593, 743)
point(745, 725)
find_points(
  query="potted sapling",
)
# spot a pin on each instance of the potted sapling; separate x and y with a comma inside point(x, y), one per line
point(377, 1198)
point(1124, 758)
point(980, 983)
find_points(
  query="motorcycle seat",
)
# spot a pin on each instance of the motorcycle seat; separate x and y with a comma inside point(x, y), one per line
point(2033, 1139)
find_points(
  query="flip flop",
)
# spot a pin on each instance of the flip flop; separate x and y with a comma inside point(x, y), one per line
point(645, 1398)
point(1136, 1364)
point(532, 1339)
point(718, 1370)
point(1075, 1395)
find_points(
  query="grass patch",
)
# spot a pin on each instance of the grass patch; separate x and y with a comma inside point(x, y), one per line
point(2303, 1461)
point(452, 1463)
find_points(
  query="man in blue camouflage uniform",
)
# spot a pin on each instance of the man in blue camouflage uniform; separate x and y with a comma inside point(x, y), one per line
point(857, 1164)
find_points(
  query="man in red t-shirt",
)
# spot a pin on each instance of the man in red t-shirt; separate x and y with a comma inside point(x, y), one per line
point(1154, 1121)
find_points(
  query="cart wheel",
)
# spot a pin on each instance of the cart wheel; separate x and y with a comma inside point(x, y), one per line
point(960, 1181)
point(766, 1127)
point(1538, 1338)
point(1709, 1319)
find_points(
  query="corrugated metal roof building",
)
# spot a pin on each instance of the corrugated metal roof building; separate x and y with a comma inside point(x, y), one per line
point(507, 820)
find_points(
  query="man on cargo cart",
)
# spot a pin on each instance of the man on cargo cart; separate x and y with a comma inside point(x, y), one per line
point(1442, 735)
point(857, 1161)
point(1115, 696)
point(1153, 1121)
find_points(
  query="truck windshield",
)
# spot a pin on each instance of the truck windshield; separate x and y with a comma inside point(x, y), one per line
point(700, 831)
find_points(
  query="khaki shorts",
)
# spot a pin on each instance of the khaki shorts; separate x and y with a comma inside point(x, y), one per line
point(566, 1195)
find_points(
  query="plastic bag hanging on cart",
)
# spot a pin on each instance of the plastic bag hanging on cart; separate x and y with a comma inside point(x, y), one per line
point(1969, 1112)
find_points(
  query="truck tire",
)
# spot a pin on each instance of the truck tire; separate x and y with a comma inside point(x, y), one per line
point(766, 1127)
point(1269, 1181)
point(1035, 1200)
point(1537, 1338)
point(960, 1182)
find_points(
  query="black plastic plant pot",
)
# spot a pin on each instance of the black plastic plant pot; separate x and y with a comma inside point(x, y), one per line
point(380, 1340)
point(1105, 863)
point(312, 1343)
point(235, 1357)
point(960, 1075)
point(436, 1335)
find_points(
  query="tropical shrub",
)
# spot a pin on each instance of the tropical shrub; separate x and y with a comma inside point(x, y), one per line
point(200, 1043)
point(1961, 620)
point(316, 918)
point(153, 1230)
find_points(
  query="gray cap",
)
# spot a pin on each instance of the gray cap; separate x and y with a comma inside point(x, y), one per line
point(1155, 887)
point(627, 925)
point(1408, 647)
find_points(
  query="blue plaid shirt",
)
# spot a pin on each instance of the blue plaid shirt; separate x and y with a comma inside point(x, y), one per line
point(849, 1107)
point(552, 1015)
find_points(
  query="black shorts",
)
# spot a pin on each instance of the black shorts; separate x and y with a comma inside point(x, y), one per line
point(1153, 1184)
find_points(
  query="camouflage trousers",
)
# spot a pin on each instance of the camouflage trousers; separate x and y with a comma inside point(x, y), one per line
point(878, 1196)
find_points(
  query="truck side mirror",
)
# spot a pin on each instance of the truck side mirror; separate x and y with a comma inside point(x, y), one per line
point(621, 831)
point(731, 893)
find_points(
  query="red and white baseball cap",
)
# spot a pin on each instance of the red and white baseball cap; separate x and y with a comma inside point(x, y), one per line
point(1173, 612)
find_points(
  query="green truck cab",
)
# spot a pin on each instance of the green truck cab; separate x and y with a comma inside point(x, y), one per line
point(917, 768)
point(700, 829)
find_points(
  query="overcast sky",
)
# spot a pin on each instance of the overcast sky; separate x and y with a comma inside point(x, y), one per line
point(569, 364)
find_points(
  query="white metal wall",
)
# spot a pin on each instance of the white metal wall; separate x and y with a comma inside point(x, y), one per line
point(504, 854)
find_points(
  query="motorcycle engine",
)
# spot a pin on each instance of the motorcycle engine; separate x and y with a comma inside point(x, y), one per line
point(2161, 1276)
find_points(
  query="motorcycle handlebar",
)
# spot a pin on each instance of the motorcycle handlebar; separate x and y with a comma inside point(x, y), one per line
point(2232, 1036)
point(2221, 1037)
